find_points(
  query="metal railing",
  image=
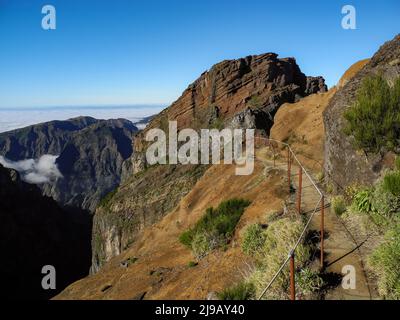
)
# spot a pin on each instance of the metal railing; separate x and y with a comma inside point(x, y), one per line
point(319, 206)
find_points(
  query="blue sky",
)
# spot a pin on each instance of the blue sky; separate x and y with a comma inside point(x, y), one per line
point(147, 52)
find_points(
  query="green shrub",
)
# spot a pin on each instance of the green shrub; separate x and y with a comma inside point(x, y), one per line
point(215, 228)
point(385, 203)
point(378, 204)
point(338, 205)
point(241, 291)
point(203, 243)
point(255, 102)
point(253, 239)
point(186, 238)
point(308, 282)
point(362, 201)
point(391, 183)
point(374, 118)
point(385, 261)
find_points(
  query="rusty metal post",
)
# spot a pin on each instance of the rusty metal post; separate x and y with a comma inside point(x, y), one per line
point(322, 230)
point(292, 279)
point(289, 167)
point(300, 189)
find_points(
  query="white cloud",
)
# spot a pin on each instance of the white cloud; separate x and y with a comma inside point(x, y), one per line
point(35, 171)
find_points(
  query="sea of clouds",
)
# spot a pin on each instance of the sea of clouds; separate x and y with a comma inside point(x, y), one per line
point(35, 171)
point(14, 118)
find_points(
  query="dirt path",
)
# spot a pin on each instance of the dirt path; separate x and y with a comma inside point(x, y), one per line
point(341, 250)
point(340, 247)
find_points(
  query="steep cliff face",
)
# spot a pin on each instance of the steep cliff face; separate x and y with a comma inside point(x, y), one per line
point(141, 201)
point(343, 164)
point(243, 93)
point(91, 153)
point(34, 232)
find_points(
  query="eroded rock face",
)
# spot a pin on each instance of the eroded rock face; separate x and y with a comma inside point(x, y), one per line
point(343, 164)
point(315, 85)
point(259, 82)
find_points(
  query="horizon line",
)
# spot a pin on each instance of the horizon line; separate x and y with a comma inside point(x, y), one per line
point(87, 106)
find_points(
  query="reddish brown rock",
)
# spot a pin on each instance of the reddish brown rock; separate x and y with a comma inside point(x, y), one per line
point(261, 82)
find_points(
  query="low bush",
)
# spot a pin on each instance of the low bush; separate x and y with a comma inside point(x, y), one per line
point(255, 102)
point(385, 261)
point(385, 203)
point(280, 236)
point(308, 282)
point(253, 239)
point(204, 242)
point(338, 205)
point(241, 291)
point(362, 201)
point(215, 228)
point(374, 118)
point(391, 183)
point(329, 187)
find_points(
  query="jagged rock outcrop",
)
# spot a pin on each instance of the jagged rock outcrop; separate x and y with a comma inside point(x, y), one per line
point(315, 85)
point(243, 93)
point(91, 155)
point(343, 164)
point(34, 232)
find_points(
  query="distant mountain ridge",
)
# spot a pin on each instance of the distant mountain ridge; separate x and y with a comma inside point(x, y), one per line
point(43, 138)
point(91, 153)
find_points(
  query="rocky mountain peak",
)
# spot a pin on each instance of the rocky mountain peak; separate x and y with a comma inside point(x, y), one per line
point(260, 83)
